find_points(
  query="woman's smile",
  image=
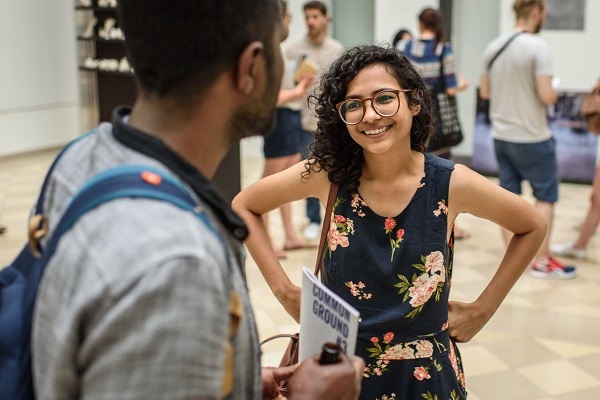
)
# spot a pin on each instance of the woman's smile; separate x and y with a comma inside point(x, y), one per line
point(376, 131)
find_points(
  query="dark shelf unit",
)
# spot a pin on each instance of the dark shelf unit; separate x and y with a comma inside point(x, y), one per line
point(113, 88)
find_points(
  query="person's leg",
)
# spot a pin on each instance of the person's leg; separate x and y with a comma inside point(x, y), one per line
point(272, 166)
point(313, 205)
point(592, 220)
point(539, 166)
point(547, 210)
point(508, 175)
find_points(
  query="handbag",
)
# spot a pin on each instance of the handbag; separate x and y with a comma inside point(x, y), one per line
point(449, 132)
point(590, 109)
point(290, 355)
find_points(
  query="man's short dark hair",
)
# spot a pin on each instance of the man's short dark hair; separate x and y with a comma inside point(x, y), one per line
point(178, 48)
point(316, 5)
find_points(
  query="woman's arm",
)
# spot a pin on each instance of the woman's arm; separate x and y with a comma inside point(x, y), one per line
point(266, 195)
point(474, 194)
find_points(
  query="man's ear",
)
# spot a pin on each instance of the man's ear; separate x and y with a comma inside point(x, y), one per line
point(248, 67)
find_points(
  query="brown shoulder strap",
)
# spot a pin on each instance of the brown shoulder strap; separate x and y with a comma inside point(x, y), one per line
point(326, 218)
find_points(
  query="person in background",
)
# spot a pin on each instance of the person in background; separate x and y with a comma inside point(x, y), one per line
point(427, 51)
point(318, 49)
point(577, 249)
point(141, 299)
point(402, 34)
point(283, 146)
point(389, 249)
point(519, 87)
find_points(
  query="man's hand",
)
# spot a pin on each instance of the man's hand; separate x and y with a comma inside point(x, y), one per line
point(339, 381)
point(272, 378)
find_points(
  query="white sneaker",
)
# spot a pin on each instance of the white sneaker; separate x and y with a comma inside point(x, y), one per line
point(567, 250)
point(312, 231)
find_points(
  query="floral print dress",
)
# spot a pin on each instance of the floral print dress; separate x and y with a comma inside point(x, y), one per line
point(396, 270)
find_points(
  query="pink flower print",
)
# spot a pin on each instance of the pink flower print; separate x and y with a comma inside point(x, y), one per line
point(399, 352)
point(388, 337)
point(357, 203)
point(422, 289)
point(424, 349)
point(421, 184)
point(457, 370)
point(390, 223)
point(434, 262)
point(339, 228)
point(442, 208)
point(375, 339)
point(421, 373)
point(357, 290)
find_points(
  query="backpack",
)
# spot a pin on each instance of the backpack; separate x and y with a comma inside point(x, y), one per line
point(20, 280)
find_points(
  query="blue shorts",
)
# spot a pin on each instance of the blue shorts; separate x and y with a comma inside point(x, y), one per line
point(287, 137)
point(532, 162)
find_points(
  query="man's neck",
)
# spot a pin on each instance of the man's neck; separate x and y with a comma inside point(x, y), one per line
point(525, 25)
point(196, 136)
point(318, 39)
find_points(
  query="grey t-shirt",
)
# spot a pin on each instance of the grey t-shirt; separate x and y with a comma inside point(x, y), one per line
point(135, 303)
point(517, 114)
point(322, 56)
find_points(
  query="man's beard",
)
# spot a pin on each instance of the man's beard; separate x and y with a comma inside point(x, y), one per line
point(256, 119)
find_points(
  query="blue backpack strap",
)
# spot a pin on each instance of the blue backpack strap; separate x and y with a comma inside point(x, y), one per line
point(126, 181)
point(38, 224)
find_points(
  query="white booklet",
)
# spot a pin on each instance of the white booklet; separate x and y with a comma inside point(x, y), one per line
point(324, 317)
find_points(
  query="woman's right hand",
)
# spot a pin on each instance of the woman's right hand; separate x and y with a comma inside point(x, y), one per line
point(290, 300)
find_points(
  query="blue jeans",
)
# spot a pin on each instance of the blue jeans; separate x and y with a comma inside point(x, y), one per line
point(532, 162)
point(313, 205)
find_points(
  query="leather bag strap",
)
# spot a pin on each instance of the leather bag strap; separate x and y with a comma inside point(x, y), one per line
point(328, 209)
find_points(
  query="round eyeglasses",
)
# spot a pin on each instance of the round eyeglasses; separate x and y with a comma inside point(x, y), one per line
point(385, 103)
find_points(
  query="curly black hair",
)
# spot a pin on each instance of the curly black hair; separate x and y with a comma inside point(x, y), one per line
point(333, 149)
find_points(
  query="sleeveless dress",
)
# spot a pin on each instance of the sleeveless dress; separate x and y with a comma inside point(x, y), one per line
point(397, 272)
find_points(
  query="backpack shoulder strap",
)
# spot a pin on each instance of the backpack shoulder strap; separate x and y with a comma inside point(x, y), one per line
point(37, 222)
point(513, 37)
point(133, 181)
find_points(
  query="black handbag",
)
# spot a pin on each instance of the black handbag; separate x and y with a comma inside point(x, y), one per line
point(448, 132)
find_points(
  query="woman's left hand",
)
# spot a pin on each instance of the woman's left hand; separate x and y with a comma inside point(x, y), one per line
point(465, 320)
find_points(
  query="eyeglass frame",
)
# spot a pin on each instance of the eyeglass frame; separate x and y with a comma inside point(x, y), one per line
point(362, 102)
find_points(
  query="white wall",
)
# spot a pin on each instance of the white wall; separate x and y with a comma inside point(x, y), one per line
point(39, 105)
point(391, 15)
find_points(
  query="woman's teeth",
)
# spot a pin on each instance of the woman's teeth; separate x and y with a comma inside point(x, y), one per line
point(376, 131)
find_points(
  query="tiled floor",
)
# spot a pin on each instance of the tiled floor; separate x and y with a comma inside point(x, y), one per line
point(543, 343)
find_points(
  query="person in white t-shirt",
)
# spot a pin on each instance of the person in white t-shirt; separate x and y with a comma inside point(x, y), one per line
point(517, 80)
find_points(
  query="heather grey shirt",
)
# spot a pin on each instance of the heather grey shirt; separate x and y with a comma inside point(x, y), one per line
point(517, 114)
point(135, 303)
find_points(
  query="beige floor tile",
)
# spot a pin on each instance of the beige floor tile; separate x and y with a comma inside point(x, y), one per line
point(478, 360)
point(589, 363)
point(504, 385)
point(568, 349)
point(521, 352)
point(576, 329)
point(521, 321)
point(559, 377)
point(591, 310)
point(590, 394)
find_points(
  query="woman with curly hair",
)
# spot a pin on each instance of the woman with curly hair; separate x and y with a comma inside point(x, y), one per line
point(390, 240)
